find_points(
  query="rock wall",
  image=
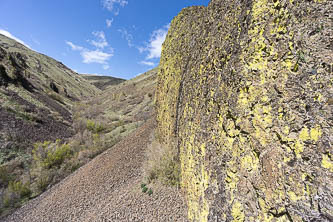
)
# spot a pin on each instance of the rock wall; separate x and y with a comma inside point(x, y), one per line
point(246, 88)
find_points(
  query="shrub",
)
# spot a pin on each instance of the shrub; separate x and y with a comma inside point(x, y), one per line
point(162, 164)
point(144, 189)
point(95, 127)
point(51, 155)
point(119, 123)
point(150, 192)
point(23, 190)
point(43, 181)
point(15, 192)
point(123, 129)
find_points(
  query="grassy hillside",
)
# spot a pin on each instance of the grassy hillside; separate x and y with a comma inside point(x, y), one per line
point(53, 120)
point(102, 82)
point(37, 96)
point(124, 106)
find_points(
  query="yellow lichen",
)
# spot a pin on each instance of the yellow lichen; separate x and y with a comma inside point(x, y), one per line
point(292, 196)
point(327, 163)
point(304, 134)
point(315, 133)
point(237, 212)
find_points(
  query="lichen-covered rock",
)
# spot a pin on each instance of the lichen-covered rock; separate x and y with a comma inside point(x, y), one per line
point(245, 87)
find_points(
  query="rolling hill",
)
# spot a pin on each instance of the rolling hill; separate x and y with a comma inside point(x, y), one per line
point(102, 82)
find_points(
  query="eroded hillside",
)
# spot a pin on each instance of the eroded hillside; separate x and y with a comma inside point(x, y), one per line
point(36, 95)
point(246, 89)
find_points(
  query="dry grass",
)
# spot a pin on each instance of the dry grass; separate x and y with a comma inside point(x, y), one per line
point(162, 164)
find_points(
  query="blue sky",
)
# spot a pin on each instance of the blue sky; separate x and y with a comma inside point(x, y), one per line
point(120, 38)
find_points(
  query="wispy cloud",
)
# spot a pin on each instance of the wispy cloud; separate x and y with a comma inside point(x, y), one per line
point(126, 35)
point(109, 22)
point(111, 5)
point(74, 47)
point(147, 63)
point(154, 47)
point(9, 35)
point(97, 55)
point(100, 41)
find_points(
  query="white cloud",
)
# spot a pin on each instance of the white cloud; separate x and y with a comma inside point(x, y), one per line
point(110, 5)
point(9, 35)
point(109, 22)
point(154, 46)
point(95, 56)
point(147, 63)
point(74, 47)
point(101, 40)
point(127, 36)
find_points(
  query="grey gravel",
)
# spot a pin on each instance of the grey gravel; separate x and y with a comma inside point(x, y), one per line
point(108, 189)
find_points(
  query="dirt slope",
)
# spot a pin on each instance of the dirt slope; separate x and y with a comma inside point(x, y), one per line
point(107, 189)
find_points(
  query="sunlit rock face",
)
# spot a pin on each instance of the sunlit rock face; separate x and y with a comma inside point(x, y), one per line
point(245, 88)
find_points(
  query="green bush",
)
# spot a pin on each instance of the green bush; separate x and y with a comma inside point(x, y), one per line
point(95, 127)
point(23, 190)
point(144, 189)
point(51, 155)
point(15, 193)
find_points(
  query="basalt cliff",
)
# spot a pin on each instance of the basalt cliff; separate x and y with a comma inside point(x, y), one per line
point(245, 95)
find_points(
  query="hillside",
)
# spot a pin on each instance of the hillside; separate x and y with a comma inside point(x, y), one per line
point(108, 189)
point(99, 123)
point(245, 90)
point(102, 82)
point(54, 121)
point(37, 94)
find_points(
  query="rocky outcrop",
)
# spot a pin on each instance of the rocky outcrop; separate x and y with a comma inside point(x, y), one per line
point(245, 88)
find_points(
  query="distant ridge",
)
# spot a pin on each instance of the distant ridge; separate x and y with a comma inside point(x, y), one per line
point(102, 82)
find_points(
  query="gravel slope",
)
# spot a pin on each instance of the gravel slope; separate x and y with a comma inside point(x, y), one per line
point(107, 189)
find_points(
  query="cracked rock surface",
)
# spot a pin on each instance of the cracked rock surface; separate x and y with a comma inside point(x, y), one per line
point(245, 87)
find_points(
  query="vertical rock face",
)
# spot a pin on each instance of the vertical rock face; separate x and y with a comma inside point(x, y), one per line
point(246, 88)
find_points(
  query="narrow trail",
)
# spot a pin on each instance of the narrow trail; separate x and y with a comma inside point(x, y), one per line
point(107, 189)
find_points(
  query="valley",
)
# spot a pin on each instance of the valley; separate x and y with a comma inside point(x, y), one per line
point(54, 121)
point(234, 123)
